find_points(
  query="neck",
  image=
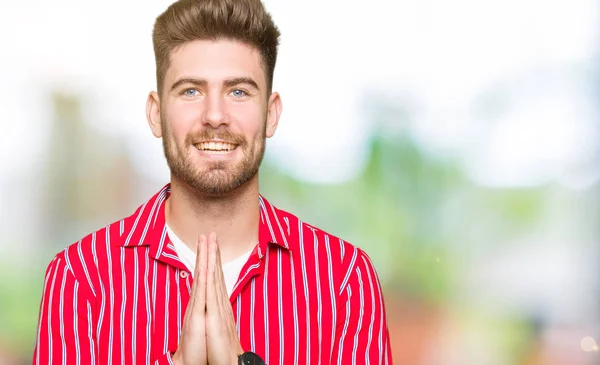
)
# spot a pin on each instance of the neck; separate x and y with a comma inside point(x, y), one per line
point(233, 216)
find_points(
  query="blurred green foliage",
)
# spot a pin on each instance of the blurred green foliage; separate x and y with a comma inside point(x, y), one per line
point(393, 210)
point(20, 295)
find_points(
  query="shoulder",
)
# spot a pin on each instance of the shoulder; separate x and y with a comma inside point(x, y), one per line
point(304, 235)
point(324, 251)
point(85, 258)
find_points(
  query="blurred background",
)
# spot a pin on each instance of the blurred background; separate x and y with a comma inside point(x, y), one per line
point(457, 142)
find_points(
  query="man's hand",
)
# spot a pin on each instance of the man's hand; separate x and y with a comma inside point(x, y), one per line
point(221, 337)
point(192, 343)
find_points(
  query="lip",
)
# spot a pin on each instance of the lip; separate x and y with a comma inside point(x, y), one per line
point(216, 141)
point(235, 145)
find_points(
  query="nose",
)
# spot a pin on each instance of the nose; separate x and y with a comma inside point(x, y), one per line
point(214, 114)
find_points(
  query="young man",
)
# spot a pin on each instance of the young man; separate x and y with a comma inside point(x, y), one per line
point(208, 271)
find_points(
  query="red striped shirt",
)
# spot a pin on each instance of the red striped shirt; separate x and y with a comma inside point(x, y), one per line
point(119, 295)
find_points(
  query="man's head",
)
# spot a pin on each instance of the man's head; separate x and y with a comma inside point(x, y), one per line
point(184, 21)
point(214, 108)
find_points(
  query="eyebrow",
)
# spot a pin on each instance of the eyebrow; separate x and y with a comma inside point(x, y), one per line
point(241, 80)
point(195, 82)
point(227, 83)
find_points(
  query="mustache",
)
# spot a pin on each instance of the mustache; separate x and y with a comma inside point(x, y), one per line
point(207, 134)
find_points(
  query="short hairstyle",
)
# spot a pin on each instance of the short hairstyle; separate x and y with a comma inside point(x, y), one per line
point(184, 21)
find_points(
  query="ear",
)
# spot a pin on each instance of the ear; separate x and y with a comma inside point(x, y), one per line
point(153, 113)
point(274, 110)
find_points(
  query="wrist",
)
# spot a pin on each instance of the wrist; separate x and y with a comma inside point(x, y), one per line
point(235, 358)
point(175, 358)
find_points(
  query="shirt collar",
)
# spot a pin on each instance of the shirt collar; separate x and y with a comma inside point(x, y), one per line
point(147, 226)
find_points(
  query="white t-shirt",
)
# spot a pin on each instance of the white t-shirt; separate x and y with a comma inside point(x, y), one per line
point(231, 269)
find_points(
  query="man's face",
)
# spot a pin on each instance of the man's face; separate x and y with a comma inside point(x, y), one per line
point(215, 114)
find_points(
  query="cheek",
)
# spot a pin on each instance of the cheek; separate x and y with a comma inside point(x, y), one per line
point(251, 120)
point(181, 119)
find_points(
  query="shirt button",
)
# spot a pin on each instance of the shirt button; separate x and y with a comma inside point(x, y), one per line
point(183, 274)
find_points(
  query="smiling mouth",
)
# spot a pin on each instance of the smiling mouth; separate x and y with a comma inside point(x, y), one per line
point(216, 147)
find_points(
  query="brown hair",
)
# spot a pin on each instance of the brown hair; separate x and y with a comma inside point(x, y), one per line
point(188, 20)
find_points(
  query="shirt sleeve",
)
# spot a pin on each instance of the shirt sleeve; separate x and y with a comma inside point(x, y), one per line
point(362, 336)
point(65, 334)
point(165, 359)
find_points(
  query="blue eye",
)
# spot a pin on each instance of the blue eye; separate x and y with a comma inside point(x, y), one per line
point(237, 93)
point(190, 92)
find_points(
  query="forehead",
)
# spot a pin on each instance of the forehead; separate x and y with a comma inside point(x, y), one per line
point(215, 61)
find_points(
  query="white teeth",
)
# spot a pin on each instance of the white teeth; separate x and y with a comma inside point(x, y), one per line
point(215, 147)
point(216, 152)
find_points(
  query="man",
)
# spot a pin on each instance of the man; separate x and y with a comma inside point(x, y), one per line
point(208, 271)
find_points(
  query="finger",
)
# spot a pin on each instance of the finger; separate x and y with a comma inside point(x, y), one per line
point(218, 273)
point(201, 262)
point(194, 282)
point(199, 245)
point(221, 289)
point(224, 302)
point(211, 299)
